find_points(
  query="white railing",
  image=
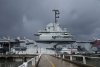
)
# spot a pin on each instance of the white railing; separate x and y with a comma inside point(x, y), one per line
point(73, 56)
point(32, 62)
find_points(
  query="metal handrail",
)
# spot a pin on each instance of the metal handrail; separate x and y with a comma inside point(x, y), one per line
point(31, 62)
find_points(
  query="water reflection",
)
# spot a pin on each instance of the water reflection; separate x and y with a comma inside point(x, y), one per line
point(7, 63)
point(95, 62)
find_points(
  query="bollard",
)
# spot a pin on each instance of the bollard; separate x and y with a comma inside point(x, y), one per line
point(71, 58)
point(63, 56)
point(84, 60)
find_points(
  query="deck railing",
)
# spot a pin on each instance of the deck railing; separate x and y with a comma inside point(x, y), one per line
point(32, 62)
point(75, 57)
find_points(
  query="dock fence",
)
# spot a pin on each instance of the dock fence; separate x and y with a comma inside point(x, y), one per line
point(73, 59)
point(32, 62)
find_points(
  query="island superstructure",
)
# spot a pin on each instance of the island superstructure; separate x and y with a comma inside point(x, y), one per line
point(53, 32)
point(53, 35)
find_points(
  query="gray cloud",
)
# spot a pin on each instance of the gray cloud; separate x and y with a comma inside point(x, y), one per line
point(26, 17)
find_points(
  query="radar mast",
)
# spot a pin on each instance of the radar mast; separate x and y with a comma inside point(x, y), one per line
point(56, 15)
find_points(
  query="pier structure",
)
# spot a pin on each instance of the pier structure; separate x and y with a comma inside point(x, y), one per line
point(15, 46)
point(7, 44)
point(46, 60)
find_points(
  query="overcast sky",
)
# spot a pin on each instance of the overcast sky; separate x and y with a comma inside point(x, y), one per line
point(26, 17)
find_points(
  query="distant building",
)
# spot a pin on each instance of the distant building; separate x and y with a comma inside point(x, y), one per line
point(96, 44)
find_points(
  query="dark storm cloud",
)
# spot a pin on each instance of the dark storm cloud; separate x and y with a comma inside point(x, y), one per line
point(25, 17)
point(10, 16)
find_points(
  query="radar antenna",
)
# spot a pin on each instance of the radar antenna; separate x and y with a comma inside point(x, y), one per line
point(56, 14)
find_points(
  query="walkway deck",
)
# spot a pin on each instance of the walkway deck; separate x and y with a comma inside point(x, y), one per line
point(49, 61)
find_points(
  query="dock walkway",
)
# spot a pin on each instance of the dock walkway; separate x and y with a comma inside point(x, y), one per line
point(49, 61)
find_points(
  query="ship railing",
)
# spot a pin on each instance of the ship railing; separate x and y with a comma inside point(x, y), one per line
point(33, 62)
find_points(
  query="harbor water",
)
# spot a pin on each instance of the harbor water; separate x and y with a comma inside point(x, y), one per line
point(8, 63)
point(95, 62)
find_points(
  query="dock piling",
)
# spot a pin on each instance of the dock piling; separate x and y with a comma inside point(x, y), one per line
point(63, 56)
point(84, 60)
point(71, 58)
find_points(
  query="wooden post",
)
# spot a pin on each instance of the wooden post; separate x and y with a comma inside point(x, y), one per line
point(84, 60)
point(25, 59)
